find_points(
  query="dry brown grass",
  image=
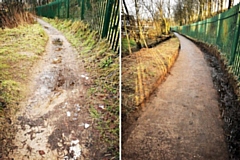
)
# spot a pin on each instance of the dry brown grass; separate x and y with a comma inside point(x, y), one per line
point(17, 57)
point(143, 71)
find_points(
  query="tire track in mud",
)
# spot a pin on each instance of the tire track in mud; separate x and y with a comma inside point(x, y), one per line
point(54, 122)
point(181, 120)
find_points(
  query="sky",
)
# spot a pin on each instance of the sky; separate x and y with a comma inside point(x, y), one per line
point(130, 5)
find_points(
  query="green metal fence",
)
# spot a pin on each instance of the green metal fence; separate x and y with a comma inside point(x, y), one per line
point(101, 15)
point(221, 31)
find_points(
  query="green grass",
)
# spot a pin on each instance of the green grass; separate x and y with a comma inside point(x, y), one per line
point(103, 65)
point(19, 48)
point(125, 44)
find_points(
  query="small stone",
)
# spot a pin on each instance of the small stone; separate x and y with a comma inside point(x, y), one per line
point(57, 60)
point(101, 106)
point(86, 125)
point(65, 105)
point(60, 144)
point(68, 114)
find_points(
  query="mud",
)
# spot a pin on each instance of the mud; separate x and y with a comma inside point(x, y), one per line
point(54, 122)
point(181, 120)
point(228, 100)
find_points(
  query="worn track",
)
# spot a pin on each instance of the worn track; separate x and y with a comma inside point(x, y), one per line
point(54, 122)
point(181, 120)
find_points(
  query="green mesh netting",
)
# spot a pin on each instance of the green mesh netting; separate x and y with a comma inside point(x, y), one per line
point(101, 15)
point(221, 31)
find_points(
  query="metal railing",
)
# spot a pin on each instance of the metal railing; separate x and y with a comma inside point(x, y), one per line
point(222, 31)
point(101, 15)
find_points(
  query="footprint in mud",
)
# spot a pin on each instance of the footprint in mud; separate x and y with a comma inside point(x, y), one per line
point(57, 41)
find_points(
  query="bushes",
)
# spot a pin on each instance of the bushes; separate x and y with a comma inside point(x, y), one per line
point(12, 14)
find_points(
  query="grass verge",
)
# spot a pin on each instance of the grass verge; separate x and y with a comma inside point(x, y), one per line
point(142, 72)
point(125, 44)
point(103, 65)
point(20, 48)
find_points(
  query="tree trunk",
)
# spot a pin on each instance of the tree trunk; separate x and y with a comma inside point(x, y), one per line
point(200, 17)
point(221, 4)
point(125, 7)
point(166, 25)
point(230, 4)
point(209, 8)
point(125, 29)
point(140, 35)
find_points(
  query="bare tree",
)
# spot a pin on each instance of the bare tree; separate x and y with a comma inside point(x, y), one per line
point(160, 8)
point(209, 8)
point(151, 8)
point(187, 11)
point(141, 39)
point(221, 6)
point(13, 14)
point(178, 12)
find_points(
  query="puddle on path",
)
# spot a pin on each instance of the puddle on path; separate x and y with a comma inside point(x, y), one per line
point(54, 122)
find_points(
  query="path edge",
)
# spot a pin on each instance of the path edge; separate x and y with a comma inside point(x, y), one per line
point(127, 127)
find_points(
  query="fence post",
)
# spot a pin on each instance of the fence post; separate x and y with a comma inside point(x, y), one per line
point(107, 18)
point(236, 38)
point(205, 31)
point(219, 24)
point(67, 8)
point(58, 8)
point(82, 9)
point(89, 6)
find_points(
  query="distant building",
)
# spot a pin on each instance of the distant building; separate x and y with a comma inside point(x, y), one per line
point(130, 20)
point(147, 24)
point(130, 23)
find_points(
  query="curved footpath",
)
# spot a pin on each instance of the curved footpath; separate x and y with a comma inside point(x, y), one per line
point(54, 123)
point(181, 119)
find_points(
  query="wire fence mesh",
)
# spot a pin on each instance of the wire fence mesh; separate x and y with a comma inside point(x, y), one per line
point(221, 31)
point(101, 15)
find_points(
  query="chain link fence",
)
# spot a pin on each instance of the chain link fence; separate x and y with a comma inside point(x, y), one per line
point(221, 31)
point(101, 15)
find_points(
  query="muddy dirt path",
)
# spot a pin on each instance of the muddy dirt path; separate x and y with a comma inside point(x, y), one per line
point(181, 120)
point(54, 122)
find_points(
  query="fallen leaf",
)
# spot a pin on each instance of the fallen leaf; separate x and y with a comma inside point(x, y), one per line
point(101, 106)
point(86, 125)
point(41, 152)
